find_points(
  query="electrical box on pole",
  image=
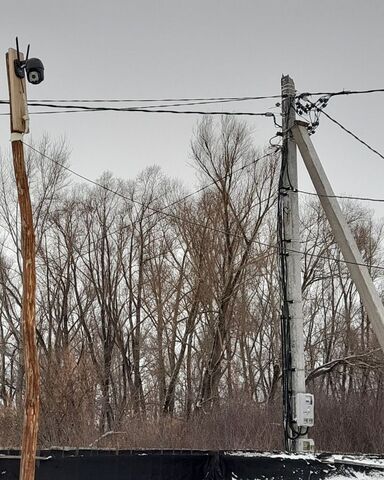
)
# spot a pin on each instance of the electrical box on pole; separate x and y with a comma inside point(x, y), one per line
point(290, 281)
point(303, 410)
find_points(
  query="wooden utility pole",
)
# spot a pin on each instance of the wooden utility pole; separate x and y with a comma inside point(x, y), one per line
point(292, 309)
point(19, 126)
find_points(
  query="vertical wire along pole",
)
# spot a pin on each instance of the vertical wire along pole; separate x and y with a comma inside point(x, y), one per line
point(290, 261)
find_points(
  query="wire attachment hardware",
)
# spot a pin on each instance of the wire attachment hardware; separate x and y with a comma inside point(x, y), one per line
point(311, 110)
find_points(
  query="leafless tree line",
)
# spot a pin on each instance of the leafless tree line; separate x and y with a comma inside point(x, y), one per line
point(155, 305)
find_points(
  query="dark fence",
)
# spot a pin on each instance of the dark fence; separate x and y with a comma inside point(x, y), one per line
point(183, 465)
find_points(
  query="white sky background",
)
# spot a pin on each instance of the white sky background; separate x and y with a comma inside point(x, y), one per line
point(201, 48)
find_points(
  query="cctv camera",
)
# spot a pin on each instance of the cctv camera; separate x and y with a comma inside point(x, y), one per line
point(35, 70)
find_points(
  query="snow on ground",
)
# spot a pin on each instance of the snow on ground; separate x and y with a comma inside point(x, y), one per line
point(353, 460)
point(282, 455)
point(359, 476)
point(369, 461)
point(366, 460)
point(354, 475)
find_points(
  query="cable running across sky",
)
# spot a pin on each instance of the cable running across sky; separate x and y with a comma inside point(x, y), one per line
point(171, 215)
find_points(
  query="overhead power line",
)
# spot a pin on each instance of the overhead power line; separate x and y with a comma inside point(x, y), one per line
point(340, 93)
point(317, 108)
point(215, 99)
point(138, 202)
point(51, 112)
point(159, 103)
point(343, 197)
point(192, 222)
point(337, 260)
point(352, 134)
point(195, 192)
point(152, 109)
point(207, 99)
point(162, 211)
point(224, 177)
point(203, 100)
point(79, 108)
point(147, 100)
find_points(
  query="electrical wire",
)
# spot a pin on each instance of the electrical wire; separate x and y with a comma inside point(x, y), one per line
point(159, 105)
point(132, 224)
point(185, 197)
point(208, 99)
point(149, 109)
point(211, 99)
point(202, 100)
point(346, 197)
point(220, 179)
point(318, 108)
point(191, 222)
point(290, 432)
point(215, 182)
point(45, 113)
point(340, 93)
point(342, 197)
point(352, 134)
point(138, 202)
point(284, 318)
point(216, 99)
point(80, 108)
point(173, 99)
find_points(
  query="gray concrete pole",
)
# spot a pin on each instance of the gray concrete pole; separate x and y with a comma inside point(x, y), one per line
point(343, 235)
point(296, 375)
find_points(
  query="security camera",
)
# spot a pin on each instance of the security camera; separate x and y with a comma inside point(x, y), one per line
point(33, 66)
point(35, 70)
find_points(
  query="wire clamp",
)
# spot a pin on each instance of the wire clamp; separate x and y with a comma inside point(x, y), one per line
point(17, 137)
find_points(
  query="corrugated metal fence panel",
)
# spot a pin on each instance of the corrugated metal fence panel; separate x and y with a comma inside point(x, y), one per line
point(72, 464)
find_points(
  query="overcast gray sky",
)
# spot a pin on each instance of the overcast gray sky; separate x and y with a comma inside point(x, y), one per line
point(201, 48)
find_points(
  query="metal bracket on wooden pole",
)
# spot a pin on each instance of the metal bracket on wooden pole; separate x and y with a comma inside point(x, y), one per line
point(19, 126)
point(17, 95)
point(343, 235)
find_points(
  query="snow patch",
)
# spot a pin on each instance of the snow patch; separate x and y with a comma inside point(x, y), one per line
point(282, 456)
point(359, 476)
point(363, 460)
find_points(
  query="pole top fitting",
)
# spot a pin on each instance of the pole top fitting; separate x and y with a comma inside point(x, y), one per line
point(287, 86)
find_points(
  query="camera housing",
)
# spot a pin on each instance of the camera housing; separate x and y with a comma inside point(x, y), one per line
point(34, 68)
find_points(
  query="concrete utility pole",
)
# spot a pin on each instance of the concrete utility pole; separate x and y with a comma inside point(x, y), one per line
point(343, 235)
point(19, 126)
point(298, 408)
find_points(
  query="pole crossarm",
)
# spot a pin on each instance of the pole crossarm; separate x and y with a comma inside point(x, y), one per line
point(343, 235)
